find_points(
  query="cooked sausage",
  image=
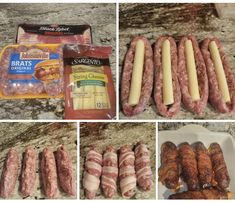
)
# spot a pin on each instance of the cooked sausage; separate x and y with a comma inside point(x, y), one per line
point(168, 173)
point(204, 165)
point(147, 79)
point(196, 106)
point(65, 171)
point(215, 95)
point(219, 166)
point(173, 109)
point(48, 173)
point(28, 172)
point(212, 193)
point(189, 166)
point(9, 174)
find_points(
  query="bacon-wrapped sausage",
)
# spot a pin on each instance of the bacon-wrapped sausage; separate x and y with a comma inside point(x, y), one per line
point(168, 173)
point(109, 172)
point(219, 166)
point(9, 174)
point(143, 167)
point(204, 165)
point(189, 166)
point(28, 172)
point(65, 171)
point(127, 171)
point(92, 173)
point(212, 193)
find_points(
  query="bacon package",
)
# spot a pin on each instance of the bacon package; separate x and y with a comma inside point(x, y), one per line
point(53, 34)
point(89, 89)
point(31, 71)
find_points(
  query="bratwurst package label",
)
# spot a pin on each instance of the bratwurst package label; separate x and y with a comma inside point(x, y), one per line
point(89, 87)
point(31, 71)
point(53, 34)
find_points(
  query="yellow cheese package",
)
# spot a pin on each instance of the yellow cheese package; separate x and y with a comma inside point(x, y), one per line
point(31, 71)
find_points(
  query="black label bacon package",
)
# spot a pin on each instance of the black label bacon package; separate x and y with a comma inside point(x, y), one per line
point(89, 89)
point(53, 34)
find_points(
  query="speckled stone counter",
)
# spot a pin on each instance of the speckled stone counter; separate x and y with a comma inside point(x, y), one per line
point(228, 127)
point(101, 135)
point(154, 20)
point(38, 136)
point(101, 17)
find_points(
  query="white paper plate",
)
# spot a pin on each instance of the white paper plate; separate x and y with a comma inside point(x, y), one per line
point(194, 133)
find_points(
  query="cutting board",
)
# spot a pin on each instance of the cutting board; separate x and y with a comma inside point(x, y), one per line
point(226, 10)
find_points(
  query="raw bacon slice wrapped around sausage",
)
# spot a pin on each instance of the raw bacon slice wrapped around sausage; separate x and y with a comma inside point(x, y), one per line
point(48, 173)
point(169, 171)
point(109, 172)
point(28, 172)
point(215, 95)
point(143, 167)
point(189, 166)
point(219, 166)
point(173, 109)
point(9, 174)
point(147, 79)
point(65, 171)
point(127, 174)
point(204, 165)
point(92, 173)
point(195, 106)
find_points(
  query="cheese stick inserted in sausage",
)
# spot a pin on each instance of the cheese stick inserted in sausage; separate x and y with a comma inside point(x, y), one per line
point(168, 97)
point(219, 70)
point(136, 79)
point(192, 72)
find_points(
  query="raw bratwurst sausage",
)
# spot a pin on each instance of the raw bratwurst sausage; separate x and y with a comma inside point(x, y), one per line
point(109, 172)
point(65, 171)
point(192, 75)
point(9, 174)
point(48, 173)
point(28, 172)
point(167, 109)
point(217, 91)
point(92, 173)
point(146, 80)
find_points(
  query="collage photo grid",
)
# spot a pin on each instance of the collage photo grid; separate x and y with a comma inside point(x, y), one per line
point(117, 100)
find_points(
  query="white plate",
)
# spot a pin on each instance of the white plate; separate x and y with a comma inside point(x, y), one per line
point(194, 133)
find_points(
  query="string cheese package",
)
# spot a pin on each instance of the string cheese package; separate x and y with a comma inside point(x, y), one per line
point(89, 89)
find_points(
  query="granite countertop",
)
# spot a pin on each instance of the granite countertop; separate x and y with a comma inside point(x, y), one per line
point(227, 127)
point(101, 17)
point(101, 135)
point(39, 136)
point(154, 20)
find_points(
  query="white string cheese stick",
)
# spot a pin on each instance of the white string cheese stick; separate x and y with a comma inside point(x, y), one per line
point(219, 70)
point(137, 74)
point(192, 72)
point(168, 96)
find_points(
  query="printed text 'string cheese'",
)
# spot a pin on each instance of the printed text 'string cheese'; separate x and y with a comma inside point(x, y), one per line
point(192, 72)
point(136, 80)
point(168, 96)
point(219, 70)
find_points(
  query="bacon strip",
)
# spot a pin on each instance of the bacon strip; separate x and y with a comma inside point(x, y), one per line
point(127, 171)
point(142, 167)
point(109, 172)
point(92, 173)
